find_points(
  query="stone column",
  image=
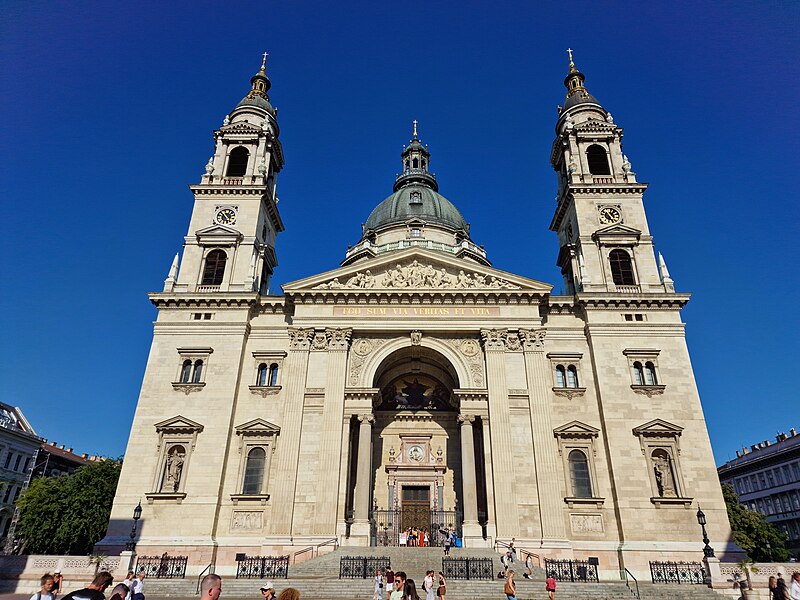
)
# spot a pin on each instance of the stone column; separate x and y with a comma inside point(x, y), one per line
point(327, 490)
point(494, 343)
point(545, 451)
point(471, 528)
point(360, 527)
point(491, 527)
point(288, 450)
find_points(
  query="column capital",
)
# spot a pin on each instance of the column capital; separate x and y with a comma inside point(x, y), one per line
point(366, 418)
point(338, 339)
point(494, 340)
point(466, 419)
point(300, 339)
point(532, 339)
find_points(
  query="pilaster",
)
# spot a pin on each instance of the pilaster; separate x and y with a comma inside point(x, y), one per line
point(494, 341)
point(545, 454)
point(471, 530)
point(338, 342)
point(359, 532)
point(289, 442)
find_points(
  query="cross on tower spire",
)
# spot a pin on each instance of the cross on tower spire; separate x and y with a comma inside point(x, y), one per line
point(264, 61)
point(415, 129)
point(571, 63)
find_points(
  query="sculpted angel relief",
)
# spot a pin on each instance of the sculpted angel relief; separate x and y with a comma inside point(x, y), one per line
point(416, 275)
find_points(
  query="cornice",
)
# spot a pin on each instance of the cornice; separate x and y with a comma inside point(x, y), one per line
point(615, 301)
point(265, 304)
point(607, 188)
point(417, 296)
point(216, 189)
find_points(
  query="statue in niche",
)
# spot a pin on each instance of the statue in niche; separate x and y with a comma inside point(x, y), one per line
point(173, 470)
point(665, 477)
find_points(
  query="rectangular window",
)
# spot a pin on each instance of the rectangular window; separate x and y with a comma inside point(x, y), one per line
point(629, 317)
point(16, 494)
point(17, 461)
point(787, 473)
point(770, 479)
point(762, 480)
point(796, 471)
point(778, 476)
point(795, 500)
point(639, 317)
point(8, 459)
point(27, 464)
point(9, 489)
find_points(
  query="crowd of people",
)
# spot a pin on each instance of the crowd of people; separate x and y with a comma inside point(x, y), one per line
point(778, 590)
point(397, 586)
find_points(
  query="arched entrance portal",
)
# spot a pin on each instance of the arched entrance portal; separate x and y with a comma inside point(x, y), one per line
point(418, 480)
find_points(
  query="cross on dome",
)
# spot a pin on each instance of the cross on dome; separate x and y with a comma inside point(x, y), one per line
point(415, 129)
point(264, 61)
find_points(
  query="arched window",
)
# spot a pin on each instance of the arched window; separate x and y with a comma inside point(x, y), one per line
point(561, 380)
point(273, 374)
point(572, 376)
point(186, 371)
point(621, 267)
point(598, 161)
point(237, 162)
point(650, 374)
point(263, 375)
point(579, 474)
point(197, 375)
point(415, 163)
point(215, 267)
point(638, 373)
point(254, 471)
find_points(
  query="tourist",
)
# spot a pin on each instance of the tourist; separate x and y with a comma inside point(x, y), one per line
point(378, 594)
point(441, 590)
point(210, 587)
point(399, 586)
point(781, 592)
point(120, 592)
point(46, 582)
point(137, 592)
point(130, 581)
point(427, 585)
point(403, 538)
point(389, 580)
point(427, 538)
point(529, 566)
point(795, 589)
point(772, 583)
point(289, 594)
point(512, 551)
point(410, 590)
point(550, 586)
point(267, 591)
point(510, 588)
point(94, 591)
point(58, 581)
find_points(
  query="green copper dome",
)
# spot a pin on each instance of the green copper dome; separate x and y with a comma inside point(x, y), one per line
point(416, 200)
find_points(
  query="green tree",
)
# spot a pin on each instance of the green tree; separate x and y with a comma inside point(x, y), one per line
point(68, 514)
point(751, 531)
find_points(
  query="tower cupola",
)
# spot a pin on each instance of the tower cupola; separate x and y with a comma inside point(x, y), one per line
point(576, 90)
point(416, 160)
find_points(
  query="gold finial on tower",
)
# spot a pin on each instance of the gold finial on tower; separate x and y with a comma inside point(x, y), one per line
point(415, 129)
point(571, 63)
point(264, 61)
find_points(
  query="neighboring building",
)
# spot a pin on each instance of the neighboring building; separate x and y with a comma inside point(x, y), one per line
point(416, 384)
point(18, 446)
point(53, 460)
point(767, 479)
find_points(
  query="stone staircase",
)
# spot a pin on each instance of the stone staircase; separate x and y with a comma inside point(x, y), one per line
point(318, 579)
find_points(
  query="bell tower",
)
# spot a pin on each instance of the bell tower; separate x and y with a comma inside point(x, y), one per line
point(230, 245)
point(605, 242)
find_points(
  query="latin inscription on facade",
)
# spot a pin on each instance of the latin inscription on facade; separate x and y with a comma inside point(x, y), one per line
point(416, 311)
point(247, 520)
point(586, 523)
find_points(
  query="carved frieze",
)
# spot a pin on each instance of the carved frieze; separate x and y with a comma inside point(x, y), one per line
point(362, 349)
point(247, 520)
point(417, 275)
point(470, 349)
point(580, 523)
point(319, 341)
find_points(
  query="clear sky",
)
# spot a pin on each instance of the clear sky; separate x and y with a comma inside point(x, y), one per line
point(107, 112)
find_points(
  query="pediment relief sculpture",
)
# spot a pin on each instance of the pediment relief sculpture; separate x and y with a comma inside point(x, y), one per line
point(418, 275)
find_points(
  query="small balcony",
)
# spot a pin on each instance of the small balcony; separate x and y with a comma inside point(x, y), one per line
point(207, 289)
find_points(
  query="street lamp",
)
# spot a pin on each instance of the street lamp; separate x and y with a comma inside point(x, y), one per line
point(708, 551)
point(131, 545)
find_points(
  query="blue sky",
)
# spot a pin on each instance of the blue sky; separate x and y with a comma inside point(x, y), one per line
point(108, 111)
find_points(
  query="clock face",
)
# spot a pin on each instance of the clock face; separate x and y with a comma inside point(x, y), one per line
point(225, 216)
point(609, 215)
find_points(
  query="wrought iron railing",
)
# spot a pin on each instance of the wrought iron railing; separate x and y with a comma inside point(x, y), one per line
point(162, 567)
point(467, 568)
point(388, 525)
point(262, 567)
point(677, 572)
point(571, 570)
point(362, 567)
point(634, 590)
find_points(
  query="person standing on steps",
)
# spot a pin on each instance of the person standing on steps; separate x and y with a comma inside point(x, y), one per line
point(44, 593)
point(510, 587)
point(267, 591)
point(378, 593)
point(442, 589)
point(389, 581)
point(794, 591)
point(529, 566)
point(58, 581)
point(410, 590)
point(427, 585)
point(550, 586)
point(95, 589)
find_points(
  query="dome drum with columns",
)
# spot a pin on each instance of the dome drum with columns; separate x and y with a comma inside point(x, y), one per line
point(416, 385)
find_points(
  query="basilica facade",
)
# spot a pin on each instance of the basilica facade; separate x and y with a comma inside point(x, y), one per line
point(415, 385)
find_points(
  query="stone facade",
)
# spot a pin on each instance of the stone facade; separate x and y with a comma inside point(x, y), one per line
point(416, 381)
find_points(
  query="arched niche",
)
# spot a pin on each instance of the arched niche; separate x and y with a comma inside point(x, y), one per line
point(416, 378)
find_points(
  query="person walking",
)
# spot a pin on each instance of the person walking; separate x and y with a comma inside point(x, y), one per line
point(137, 592)
point(267, 591)
point(794, 590)
point(510, 587)
point(447, 543)
point(410, 590)
point(427, 585)
point(58, 581)
point(120, 592)
point(289, 594)
point(781, 592)
point(211, 587)
point(529, 566)
point(550, 586)
point(45, 583)
point(399, 586)
point(389, 580)
point(94, 591)
point(378, 592)
point(441, 590)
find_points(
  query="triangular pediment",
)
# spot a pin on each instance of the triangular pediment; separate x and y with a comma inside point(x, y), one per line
point(258, 427)
point(618, 230)
point(416, 269)
point(218, 230)
point(658, 427)
point(178, 423)
point(240, 127)
point(576, 429)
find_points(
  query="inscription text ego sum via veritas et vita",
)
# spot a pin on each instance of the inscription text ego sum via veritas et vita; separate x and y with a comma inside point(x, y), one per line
point(416, 311)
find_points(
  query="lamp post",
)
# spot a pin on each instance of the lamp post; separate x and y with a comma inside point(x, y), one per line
point(708, 551)
point(131, 545)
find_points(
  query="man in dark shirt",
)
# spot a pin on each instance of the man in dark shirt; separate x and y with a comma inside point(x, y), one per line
point(95, 590)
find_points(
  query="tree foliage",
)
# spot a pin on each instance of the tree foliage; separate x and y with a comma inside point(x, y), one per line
point(68, 514)
point(751, 531)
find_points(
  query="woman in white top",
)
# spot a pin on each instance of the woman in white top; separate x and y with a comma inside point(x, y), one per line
point(44, 591)
point(378, 595)
point(403, 538)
